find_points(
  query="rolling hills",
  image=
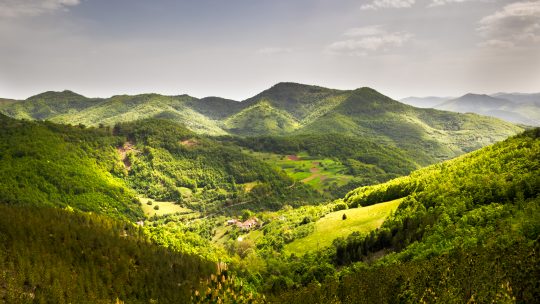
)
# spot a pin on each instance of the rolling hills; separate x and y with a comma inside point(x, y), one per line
point(104, 170)
point(285, 109)
point(455, 215)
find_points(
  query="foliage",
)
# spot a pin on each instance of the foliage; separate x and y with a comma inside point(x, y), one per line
point(346, 161)
point(172, 163)
point(426, 135)
point(50, 255)
point(54, 165)
point(493, 274)
point(223, 288)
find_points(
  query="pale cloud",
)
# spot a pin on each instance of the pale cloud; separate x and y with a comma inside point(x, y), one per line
point(516, 24)
point(273, 50)
point(364, 31)
point(367, 40)
point(19, 8)
point(444, 2)
point(494, 43)
point(376, 4)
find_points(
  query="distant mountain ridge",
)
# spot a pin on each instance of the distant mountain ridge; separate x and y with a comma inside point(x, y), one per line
point(284, 109)
point(518, 108)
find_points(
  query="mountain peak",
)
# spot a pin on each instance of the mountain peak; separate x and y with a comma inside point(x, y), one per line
point(473, 95)
point(56, 95)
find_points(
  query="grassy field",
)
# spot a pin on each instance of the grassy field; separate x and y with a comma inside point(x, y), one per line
point(321, 173)
point(164, 207)
point(332, 226)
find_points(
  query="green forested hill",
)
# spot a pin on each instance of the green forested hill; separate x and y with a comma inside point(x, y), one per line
point(366, 161)
point(170, 162)
point(285, 109)
point(467, 230)
point(105, 169)
point(428, 134)
point(51, 255)
point(48, 105)
point(54, 165)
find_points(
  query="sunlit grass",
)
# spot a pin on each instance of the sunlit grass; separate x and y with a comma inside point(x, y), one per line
point(164, 208)
point(332, 226)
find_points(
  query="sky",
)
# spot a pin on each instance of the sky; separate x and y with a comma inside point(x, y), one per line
point(237, 48)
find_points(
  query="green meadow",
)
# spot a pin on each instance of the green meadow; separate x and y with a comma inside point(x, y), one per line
point(333, 226)
point(152, 207)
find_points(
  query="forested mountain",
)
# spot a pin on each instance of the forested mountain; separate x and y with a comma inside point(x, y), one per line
point(520, 98)
point(53, 165)
point(525, 113)
point(139, 201)
point(104, 170)
point(285, 109)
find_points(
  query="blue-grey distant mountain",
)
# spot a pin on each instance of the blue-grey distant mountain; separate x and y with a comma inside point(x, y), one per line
point(516, 108)
point(520, 98)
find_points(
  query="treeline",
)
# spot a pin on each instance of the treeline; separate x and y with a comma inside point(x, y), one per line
point(343, 147)
point(50, 255)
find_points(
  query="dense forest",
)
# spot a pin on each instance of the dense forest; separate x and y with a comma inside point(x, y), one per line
point(55, 165)
point(52, 255)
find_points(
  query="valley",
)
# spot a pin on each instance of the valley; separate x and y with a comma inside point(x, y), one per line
point(266, 152)
point(298, 194)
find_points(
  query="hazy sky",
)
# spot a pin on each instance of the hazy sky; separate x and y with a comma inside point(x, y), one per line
point(236, 48)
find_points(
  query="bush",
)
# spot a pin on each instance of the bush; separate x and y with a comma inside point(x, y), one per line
point(340, 206)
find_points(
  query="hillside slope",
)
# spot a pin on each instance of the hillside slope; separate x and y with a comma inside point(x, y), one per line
point(285, 109)
point(466, 230)
point(105, 170)
point(51, 255)
point(524, 112)
point(48, 105)
point(430, 135)
point(51, 165)
point(424, 102)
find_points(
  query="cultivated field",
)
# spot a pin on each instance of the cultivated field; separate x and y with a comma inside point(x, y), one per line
point(321, 173)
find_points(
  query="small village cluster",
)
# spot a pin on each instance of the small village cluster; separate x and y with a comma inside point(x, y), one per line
point(249, 224)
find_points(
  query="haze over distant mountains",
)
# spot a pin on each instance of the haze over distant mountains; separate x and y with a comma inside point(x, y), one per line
point(518, 108)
